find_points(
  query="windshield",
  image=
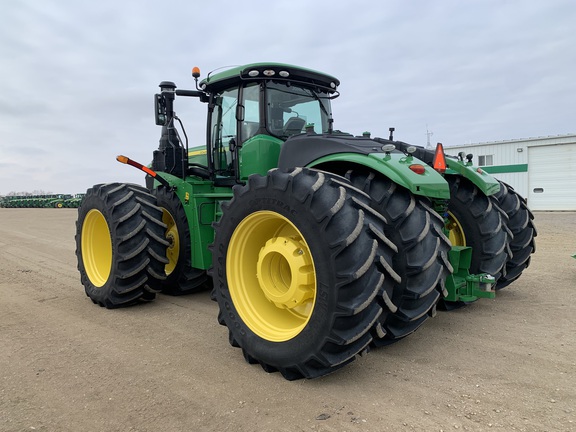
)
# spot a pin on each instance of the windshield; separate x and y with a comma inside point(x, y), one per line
point(289, 108)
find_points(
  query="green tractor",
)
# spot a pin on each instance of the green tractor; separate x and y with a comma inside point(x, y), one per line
point(317, 244)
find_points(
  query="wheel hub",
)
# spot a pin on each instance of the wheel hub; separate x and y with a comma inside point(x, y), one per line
point(456, 231)
point(173, 250)
point(96, 248)
point(271, 275)
point(285, 272)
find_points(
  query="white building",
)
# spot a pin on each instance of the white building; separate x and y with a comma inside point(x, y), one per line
point(543, 169)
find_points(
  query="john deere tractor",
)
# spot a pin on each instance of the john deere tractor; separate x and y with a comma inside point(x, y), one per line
point(317, 244)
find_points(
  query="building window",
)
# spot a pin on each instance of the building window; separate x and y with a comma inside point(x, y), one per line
point(485, 160)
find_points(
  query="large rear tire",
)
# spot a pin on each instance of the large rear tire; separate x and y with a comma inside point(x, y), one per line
point(120, 245)
point(475, 220)
point(181, 277)
point(520, 222)
point(298, 262)
point(422, 259)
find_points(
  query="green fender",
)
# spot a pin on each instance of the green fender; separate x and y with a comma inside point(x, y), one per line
point(395, 166)
point(484, 181)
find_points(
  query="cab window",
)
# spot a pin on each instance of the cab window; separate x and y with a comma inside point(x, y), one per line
point(251, 102)
point(290, 108)
point(223, 130)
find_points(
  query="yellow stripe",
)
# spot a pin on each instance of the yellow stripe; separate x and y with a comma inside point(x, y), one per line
point(197, 152)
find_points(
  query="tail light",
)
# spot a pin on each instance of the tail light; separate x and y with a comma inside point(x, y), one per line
point(417, 168)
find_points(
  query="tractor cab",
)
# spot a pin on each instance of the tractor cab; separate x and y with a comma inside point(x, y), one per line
point(252, 111)
point(255, 108)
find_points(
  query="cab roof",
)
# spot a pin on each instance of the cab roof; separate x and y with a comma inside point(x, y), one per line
point(263, 71)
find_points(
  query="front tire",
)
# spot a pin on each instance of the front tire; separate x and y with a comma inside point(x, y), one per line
point(120, 245)
point(296, 268)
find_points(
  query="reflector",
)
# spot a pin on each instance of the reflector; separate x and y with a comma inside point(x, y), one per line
point(439, 159)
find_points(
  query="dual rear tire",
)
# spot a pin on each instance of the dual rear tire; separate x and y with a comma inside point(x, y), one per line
point(422, 258)
point(499, 228)
point(520, 222)
point(120, 245)
point(181, 277)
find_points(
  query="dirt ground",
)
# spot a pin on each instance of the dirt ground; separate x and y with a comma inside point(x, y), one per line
point(67, 365)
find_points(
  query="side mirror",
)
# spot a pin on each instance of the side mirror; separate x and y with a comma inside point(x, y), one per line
point(160, 110)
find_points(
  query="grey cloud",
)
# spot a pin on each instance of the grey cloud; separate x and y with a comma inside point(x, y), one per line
point(77, 78)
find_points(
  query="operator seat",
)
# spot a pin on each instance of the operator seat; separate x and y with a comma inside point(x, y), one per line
point(294, 125)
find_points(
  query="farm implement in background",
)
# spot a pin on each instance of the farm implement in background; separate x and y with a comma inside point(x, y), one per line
point(42, 201)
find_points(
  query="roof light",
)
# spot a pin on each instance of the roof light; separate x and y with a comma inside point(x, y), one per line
point(254, 73)
point(269, 72)
point(333, 84)
point(439, 159)
point(196, 72)
point(284, 74)
point(417, 168)
point(388, 148)
point(410, 149)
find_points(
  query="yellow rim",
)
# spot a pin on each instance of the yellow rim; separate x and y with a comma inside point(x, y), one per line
point(96, 248)
point(173, 251)
point(456, 236)
point(271, 276)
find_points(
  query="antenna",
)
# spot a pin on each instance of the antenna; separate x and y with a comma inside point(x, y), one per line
point(428, 135)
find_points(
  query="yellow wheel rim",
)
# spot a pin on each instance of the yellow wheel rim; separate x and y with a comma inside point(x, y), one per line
point(96, 248)
point(173, 251)
point(456, 236)
point(271, 276)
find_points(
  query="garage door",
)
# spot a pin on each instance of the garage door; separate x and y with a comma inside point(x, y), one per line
point(552, 177)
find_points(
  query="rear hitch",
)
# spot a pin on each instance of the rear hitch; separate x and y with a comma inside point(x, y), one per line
point(463, 286)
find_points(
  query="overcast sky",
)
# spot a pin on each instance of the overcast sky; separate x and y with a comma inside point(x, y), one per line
point(77, 77)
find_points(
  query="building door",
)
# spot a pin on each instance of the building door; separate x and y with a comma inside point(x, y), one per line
point(552, 177)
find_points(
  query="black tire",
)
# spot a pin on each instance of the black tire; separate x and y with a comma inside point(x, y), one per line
point(339, 250)
point(422, 259)
point(181, 277)
point(120, 245)
point(520, 223)
point(483, 225)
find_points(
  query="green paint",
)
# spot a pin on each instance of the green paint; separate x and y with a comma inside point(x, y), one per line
point(501, 169)
point(258, 155)
point(485, 182)
point(461, 285)
point(201, 201)
point(395, 166)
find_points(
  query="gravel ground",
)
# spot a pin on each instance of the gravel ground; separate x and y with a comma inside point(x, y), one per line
point(507, 364)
